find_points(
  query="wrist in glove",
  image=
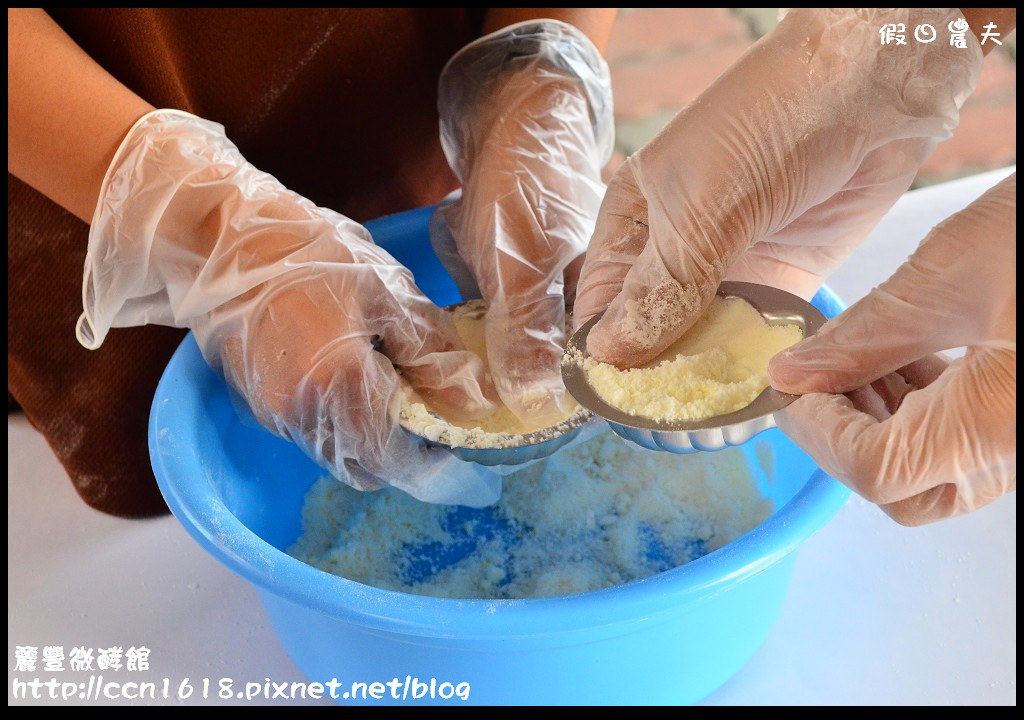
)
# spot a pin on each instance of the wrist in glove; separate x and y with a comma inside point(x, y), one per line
point(526, 124)
point(923, 438)
point(773, 175)
point(288, 300)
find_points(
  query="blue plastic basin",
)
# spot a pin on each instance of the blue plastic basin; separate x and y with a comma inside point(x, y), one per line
point(672, 638)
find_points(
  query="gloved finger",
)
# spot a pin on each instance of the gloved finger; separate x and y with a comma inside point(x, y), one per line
point(656, 305)
point(675, 276)
point(619, 237)
point(649, 305)
point(421, 339)
point(923, 372)
point(939, 503)
point(525, 214)
point(945, 500)
point(883, 397)
point(934, 301)
point(520, 277)
point(526, 343)
point(524, 334)
point(960, 429)
point(343, 419)
point(349, 401)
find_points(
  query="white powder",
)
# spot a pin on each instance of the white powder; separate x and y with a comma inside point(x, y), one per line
point(719, 366)
point(600, 514)
point(500, 429)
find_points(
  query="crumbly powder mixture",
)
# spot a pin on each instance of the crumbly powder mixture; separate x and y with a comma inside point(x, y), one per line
point(600, 514)
point(719, 366)
point(500, 429)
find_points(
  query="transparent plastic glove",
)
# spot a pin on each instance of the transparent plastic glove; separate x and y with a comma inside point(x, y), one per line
point(526, 123)
point(286, 299)
point(931, 440)
point(773, 175)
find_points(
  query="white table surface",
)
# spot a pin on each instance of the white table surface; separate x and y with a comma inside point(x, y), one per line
point(876, 613)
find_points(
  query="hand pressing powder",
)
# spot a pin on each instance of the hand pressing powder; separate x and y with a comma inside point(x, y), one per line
point(500, 429)
point(719, 366)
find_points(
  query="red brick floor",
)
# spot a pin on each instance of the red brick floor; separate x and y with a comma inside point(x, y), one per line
point(661, 59)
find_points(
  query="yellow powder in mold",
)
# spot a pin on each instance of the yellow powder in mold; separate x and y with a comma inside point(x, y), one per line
point(719, 366)
point(470, 327)
point(497, 429)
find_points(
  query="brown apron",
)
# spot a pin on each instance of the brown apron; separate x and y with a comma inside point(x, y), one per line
point(339, 104)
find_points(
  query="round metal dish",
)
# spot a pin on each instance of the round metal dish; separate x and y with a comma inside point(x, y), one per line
point(778, 307)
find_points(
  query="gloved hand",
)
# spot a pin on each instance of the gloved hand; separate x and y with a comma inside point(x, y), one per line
point(773, 175)
point(285, 298)
point(951, 446)
point(526, 124)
